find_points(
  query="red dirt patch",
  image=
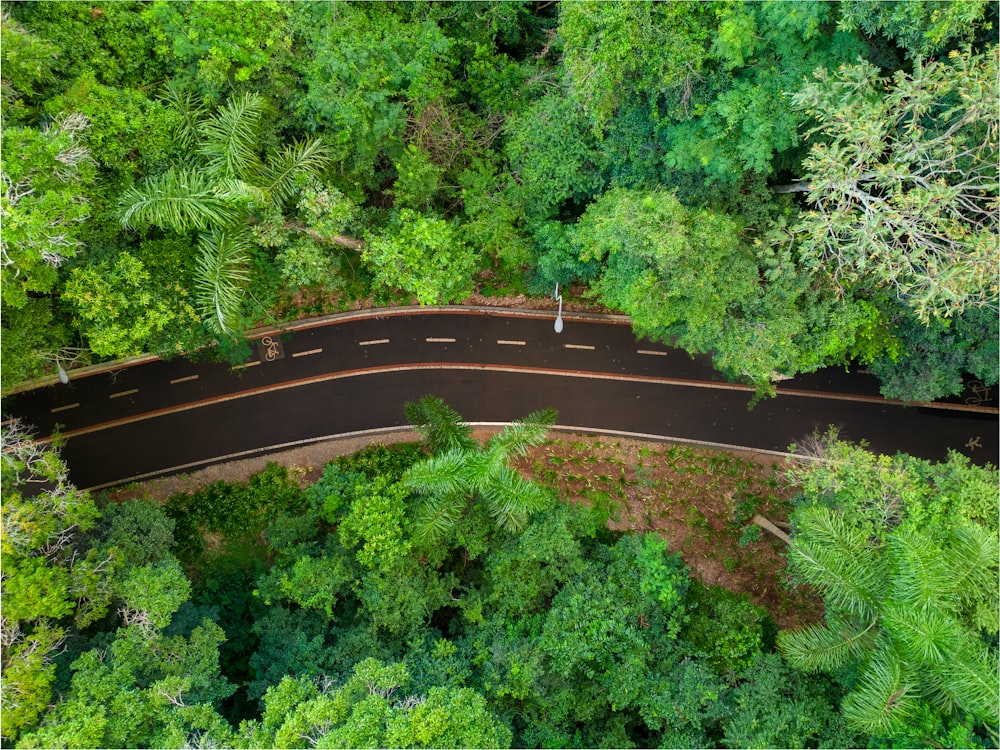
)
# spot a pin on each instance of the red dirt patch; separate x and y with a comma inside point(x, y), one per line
point(700, 500)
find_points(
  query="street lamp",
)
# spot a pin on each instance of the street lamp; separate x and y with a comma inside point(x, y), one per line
point(559, 320)
point(63, 377)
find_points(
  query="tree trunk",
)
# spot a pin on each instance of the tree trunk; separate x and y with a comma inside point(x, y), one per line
point(793, 187)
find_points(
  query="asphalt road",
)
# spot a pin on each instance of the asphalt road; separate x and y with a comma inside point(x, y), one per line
point(356, 373)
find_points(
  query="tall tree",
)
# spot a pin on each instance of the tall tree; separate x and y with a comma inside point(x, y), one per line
point(449, 480)
point(422, 255)
point(224, 184)
point(689, 278)
point(922, 28)
point(902, 181)
point(50, 580)
point(909, 578)
point(145, 688)
point(372, 709)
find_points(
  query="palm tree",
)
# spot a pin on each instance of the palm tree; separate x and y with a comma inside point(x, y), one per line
point(220, 275)
point(464, 472)
point(907, 613)
point(223, 181)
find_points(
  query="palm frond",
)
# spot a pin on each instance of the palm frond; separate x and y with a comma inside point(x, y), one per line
point(439, 425)
point(835, 556)
point(436, 515)
point(229, 138)
point(240, 193)
point(306, 158)
point(220, 276)
point(970, 679)
point(884, 697)
point(925, 634)
point(482, 467)
point(192, 114)
point(177, 199)
point(922, 575)
point(439, 475)
point(972, 559)
point(826, 647)
point(517, 437)
point(512, 499)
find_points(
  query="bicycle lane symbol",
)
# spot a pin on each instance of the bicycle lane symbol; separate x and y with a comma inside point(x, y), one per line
point(981, 394)
point(270, 349)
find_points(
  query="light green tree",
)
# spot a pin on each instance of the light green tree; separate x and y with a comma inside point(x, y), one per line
point(120, 311)
point(372, 709)
point(921, 27)
point(908, 573)
point(45, 178)
point(225, 183)
point(422, 255)
point(902, 181)
point(49, 578)
point(145, 688)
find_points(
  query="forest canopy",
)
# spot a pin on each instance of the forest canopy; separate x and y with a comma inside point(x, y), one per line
point(785, 187)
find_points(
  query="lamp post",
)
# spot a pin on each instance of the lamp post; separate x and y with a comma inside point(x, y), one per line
point(559, 320)
point(63, 377)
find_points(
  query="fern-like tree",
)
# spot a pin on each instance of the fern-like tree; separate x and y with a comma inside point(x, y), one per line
point(462, 471)
point(910, 588)
point(223, 181)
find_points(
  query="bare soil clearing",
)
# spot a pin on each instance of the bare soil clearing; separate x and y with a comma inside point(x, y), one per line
point(702, 501)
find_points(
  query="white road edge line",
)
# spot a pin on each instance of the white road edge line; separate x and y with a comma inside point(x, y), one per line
point(511, 343)
point(248, 364)
point(373, 342)
point(651, 352)
point(439, 341)
point(175, 381)
point(306, 354)
point(587, 347)
point(124, 393)
point(64, 408)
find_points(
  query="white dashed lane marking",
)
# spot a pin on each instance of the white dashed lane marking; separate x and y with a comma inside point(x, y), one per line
point(579, 346)
point(439, 341)
point(373, 342)
point(124, 393)
point(175, 381)
point(248, 364)
point(651, 352)
point(306, 354)
point(511, 343)
point(64, 408)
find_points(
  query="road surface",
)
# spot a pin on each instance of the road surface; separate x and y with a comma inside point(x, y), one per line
point(354, 373)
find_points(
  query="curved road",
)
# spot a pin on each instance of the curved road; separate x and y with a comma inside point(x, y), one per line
point(353, 373)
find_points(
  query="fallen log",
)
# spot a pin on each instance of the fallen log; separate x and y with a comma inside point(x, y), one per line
point(771, 528)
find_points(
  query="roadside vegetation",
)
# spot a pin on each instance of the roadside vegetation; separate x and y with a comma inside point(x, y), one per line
point(783, 189)
point(507, 590)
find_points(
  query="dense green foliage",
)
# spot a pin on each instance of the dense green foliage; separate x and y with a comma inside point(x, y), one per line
point(783, 186)
point(906, 555)
point(354, 613)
